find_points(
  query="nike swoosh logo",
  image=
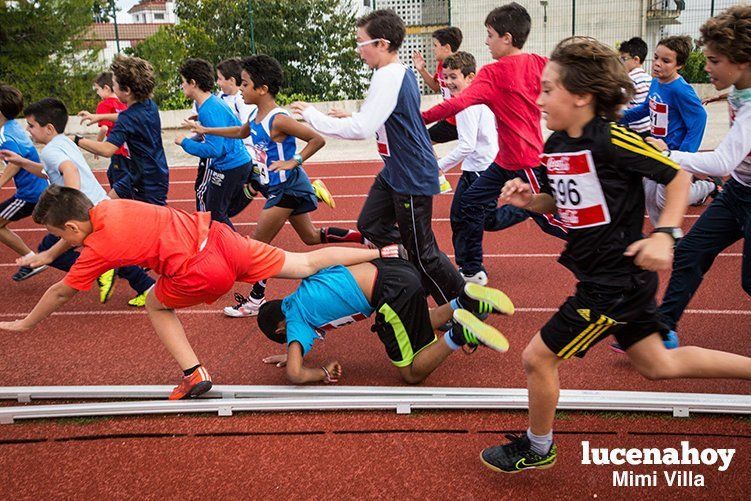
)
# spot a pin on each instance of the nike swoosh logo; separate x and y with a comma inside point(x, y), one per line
point(523, 463)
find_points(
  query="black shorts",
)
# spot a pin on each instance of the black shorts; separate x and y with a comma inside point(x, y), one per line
point(443, 132)
point(402, 317)
point(15, 209)
point(596, 311)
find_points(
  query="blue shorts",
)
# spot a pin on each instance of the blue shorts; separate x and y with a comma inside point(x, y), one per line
point(299, 202)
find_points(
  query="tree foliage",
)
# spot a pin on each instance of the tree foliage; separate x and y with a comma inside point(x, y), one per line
point(693, 71)
point(42, 51)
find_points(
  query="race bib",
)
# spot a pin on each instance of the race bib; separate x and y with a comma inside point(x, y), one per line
point(576, 188)
point(383, 141)
point(658, 116)
point(339, 322)
point(260, 163)
point(445, 92)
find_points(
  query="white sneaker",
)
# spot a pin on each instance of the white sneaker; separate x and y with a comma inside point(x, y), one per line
point(245, 307)
point(480, 278)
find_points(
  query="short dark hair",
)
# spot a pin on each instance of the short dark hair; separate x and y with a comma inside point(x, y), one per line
point(11, 101)
point(231, 68)
point(451, 36)
point(59, 204)
point(134, 74)
point(513, 19)
point(681, 45)
point(269, 316)
point(48, 111)
point(463, 61)
point(635, 47)
point(729, 33)
point(591, 67)
point(264, 70)
point(104, 79)
point(385, 24)
point(200, 71)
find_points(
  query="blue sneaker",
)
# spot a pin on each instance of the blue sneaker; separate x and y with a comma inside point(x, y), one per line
point(670, 343)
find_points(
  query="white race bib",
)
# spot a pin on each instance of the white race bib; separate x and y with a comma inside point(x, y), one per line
point(339, 322)
point(382, 140)
point(576, 188)
point(260, 158)
point(658, 117)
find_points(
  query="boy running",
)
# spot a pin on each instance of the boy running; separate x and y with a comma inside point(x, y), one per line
point(399, 207)
point(197, 262)
point(509, 87)
point(28, 186)
point(280, 178)
point(392, 289)
point(595, 171)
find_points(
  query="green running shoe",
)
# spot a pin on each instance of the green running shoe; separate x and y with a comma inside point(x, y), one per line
point(517, 455)
point(477, 332)
point(481, 299)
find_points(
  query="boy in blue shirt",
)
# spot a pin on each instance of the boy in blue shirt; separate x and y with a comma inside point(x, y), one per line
point(227, 161)
point(28, 186)
point(140, 127)
point(393, 290)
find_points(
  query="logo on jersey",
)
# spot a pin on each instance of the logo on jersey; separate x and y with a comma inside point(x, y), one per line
point(339, 322)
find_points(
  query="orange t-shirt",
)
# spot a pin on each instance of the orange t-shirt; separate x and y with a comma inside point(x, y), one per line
point(127, 232)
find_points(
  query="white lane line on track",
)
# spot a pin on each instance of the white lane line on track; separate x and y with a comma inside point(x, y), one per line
point(219, 312)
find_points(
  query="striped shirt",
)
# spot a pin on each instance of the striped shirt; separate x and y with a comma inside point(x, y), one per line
point(642, 82)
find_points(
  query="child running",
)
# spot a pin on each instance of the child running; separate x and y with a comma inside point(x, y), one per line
point(399, 207)
point(509, 87)
point(728, 218)
point(633, 54)
point(583, 91)
point(281, 178)
point(197, 262)
point(28, 186)
point(392, 289)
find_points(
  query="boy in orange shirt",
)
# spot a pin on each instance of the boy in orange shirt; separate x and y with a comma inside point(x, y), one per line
point(198, 262)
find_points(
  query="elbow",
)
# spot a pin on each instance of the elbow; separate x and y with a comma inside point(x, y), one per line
point(294, 375)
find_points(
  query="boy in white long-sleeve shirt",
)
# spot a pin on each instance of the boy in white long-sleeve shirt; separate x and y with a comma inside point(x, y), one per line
point(478, 138)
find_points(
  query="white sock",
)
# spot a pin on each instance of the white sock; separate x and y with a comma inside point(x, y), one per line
point(29, 254)
point(540, 443)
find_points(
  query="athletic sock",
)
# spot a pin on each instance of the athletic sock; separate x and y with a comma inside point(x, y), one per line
point(259, 290)
point(540, 443)
point(188, 372)
point(454, 337)
point(29, 254)
point(339, 235)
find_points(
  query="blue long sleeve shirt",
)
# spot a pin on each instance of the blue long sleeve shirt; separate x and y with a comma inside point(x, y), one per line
point(676, 114)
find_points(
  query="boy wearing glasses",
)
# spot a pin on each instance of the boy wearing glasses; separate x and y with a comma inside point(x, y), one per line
point(633, 52)
point(399, 206)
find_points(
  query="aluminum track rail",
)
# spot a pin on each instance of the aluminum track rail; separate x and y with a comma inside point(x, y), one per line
point(225, 400)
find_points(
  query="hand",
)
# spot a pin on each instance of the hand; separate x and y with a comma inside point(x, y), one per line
point(418, 60)
point(10, 156)
point(394, 251)
point(279, 360)
point(334, 372)
point(194, 126)
point(339, 113)
point(35, 260)
point(517, 193)
point(15, 325)
point(654, 253)
point(283, 165)
point(657, 143)
point(179, 140)
point(299, 107)
point(87, 118)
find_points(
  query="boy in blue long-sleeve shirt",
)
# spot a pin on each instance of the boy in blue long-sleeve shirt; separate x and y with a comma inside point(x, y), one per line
point(228, 162)
point(676, 116)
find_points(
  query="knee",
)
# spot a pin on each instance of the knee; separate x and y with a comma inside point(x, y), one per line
point(531, 360)
point(313, 238)
point(653, 372)
point(411, 378)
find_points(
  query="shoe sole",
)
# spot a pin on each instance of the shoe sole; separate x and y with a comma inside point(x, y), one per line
point(487, 334)
point(33, 272)
point(233, 313)
point(497, 299)
point(323, 193)
point(108, 294)
point(495, 468)
point(198, 390)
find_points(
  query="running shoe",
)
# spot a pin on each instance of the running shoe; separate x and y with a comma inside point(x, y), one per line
point(517, 455)
point(194, 385)
point(25, 272)
point(480, 299)
point(245, 307)
point(139, 301)
point(477, 332)
point(480, 278)
point(323, 194)
point(106, 282)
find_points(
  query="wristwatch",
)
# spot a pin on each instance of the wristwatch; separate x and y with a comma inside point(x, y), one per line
point(77, 138)
point(673, 231)
point(298, 158)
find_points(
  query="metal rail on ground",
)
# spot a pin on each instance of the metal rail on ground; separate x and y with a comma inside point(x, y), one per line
point(225, 400)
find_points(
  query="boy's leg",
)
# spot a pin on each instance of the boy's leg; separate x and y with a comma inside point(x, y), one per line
point(311, 235)
point(377, 219)
point(139, 280)
point(651, 204)
point(455, 215)
point(12, 240)
point(63, 262)
point(221, 188)
point(14, 209)
point(200, 185)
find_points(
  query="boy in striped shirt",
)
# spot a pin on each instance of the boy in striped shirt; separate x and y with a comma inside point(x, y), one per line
point(633, 53)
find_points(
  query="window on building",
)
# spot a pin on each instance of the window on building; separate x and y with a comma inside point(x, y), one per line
point(159, 15)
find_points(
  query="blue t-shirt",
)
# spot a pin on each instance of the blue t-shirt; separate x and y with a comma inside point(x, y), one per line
point(61, 149)
point(141, 128)
point(676, 114)
point(28, 186)
point(223, 153)
point(327, 300)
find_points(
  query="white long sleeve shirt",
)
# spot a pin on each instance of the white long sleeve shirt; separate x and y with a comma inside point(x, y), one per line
point(478, 140)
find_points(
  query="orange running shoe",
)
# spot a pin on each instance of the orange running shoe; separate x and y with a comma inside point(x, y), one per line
point(194, 385)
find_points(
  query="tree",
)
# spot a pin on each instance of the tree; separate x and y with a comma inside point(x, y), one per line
point(693, 71)
point(103, 10)
point(48, 57)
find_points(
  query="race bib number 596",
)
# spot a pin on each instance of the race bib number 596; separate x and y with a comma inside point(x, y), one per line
point(577, 189)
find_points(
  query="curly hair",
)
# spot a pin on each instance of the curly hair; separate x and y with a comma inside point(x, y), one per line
point(729, 33)
point(591, 67)
point(463, 61)
point(681, 45)
point(200, 71)
point(134, 74)
point(264, 70)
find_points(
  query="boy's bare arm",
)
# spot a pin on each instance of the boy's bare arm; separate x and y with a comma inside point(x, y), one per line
point(237, 132)
point(55, 297)
point(291, 127)
point(11, 157)
point(71, 176)
point(298, 373)
point(91, 118)
point(101, 148)
point(45, 257)
point(301, 265)
point(519, 194)
point(11, 170)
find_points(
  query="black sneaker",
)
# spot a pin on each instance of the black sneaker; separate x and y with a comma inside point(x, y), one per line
point(25, 272)
point(517, 455)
